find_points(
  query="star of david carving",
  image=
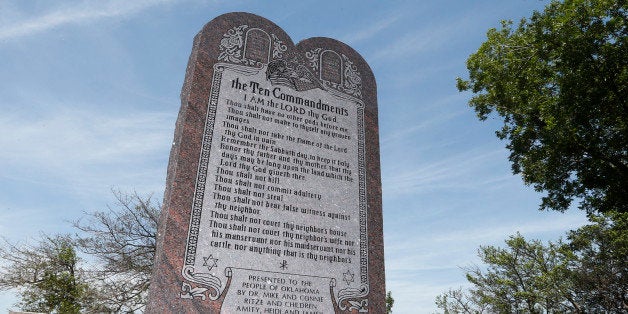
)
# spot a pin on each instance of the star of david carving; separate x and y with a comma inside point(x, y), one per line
point(210, 262)
point(348, 277)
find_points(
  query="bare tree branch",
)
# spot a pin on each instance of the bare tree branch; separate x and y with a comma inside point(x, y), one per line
point(122, 239)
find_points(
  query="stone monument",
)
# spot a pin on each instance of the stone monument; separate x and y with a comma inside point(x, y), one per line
point(273, 194)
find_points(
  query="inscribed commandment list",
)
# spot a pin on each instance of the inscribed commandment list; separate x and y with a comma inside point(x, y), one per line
point(279, 213)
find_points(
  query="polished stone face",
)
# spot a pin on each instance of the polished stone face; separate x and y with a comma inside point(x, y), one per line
point(281, 189)
point(273, 201)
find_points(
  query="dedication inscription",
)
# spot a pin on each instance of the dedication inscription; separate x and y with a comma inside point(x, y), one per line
point(280, 215)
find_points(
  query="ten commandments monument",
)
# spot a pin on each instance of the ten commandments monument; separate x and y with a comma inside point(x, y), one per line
point(273, 195)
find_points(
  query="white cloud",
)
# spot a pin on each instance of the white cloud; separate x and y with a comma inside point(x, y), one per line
point(408, 292)
point(412, 42)
point(430, 37)
point(422, 125)
point(453, 173)
point(79, 136)
point(543, 223)
point(75, 14)
point(373, 29)
point(82, 149)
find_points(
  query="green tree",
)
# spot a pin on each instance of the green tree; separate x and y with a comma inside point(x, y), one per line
point(389, 302)
point(459, 301)
point(47, 275)
point(120, 245)
point(526, 276)
point(559, 81)
point(600, 273)
point(586, 274)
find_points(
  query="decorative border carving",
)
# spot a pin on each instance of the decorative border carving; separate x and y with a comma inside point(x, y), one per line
point(350, 299)
point(278, 47)
point(312, 56)
point(207, 283)
point(201, 177)
point(232, 46)
point(351, 79)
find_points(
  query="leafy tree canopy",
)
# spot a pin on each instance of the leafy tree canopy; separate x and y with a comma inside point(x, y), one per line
point(559, 81)
point(47, 273)
point(586, 274)
point(389, 302)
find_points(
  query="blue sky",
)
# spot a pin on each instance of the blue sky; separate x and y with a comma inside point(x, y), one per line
point(89, 95)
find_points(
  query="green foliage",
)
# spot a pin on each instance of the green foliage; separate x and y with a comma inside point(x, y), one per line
point(47, 274)
point(389, 302)
point(458, 301)
point(601, 273)
point(559, 81)
point(121, 241)
point(525, 276)
point(586, 274)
